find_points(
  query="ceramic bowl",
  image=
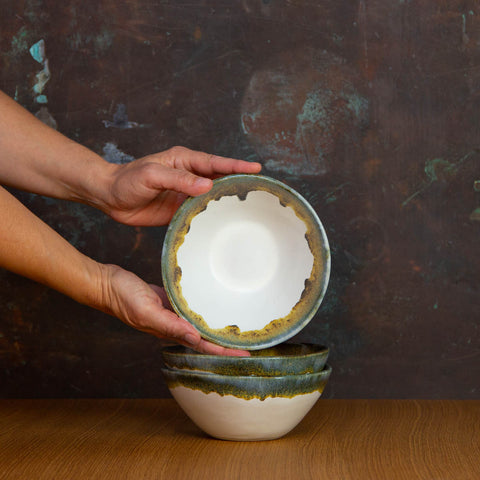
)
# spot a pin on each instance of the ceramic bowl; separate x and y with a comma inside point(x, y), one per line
point(247, 263)
point(280, 360)
point(245, 408)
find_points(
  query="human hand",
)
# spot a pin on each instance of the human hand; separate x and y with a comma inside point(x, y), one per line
point(148, 191)
point(146, 308)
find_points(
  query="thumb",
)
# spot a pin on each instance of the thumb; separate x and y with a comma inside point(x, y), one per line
point(167, 324)
point(160, 177)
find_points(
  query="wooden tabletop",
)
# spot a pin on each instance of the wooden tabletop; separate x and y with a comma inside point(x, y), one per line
point(153, 439)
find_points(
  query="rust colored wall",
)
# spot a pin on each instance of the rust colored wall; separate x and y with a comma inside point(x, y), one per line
point(369, 108)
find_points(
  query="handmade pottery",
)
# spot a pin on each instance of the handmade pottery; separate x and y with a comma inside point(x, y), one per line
point(280, 360)
point(245, 408)
point(248, 263)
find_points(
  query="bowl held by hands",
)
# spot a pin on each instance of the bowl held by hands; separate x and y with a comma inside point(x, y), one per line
point(247, 263)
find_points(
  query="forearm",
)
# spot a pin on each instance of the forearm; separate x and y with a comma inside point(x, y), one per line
point(31, 248)
point(38, 159)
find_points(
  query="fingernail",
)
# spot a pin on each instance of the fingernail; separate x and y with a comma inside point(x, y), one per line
point(191, 338)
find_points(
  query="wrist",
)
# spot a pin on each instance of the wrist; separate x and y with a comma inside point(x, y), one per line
point(92, 185)
point(102, 296)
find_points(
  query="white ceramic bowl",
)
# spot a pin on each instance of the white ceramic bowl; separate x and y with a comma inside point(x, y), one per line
point(248, 263)
point(245, 408)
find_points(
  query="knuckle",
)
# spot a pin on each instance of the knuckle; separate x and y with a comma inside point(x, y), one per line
point(144, 320)
point(187, 179)
point(177, 151)
point(170, 325)
point(150, 171)
point(150, 168)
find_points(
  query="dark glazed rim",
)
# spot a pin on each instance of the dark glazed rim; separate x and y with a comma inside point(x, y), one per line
point(278, 330)
point(248, 387)
point(181, 351)
point(284, 359)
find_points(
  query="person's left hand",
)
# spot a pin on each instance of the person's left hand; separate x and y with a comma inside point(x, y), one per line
point(146, 308)
point(148, 191)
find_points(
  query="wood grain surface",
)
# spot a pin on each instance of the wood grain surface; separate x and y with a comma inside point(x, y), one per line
point(153, 439)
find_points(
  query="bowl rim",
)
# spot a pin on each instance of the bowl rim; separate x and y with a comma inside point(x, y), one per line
point(325, 371)
point(248, 387)
point(169, 350)
point(169, 266)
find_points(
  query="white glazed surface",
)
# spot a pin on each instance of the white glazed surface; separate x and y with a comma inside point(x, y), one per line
point(233, 418)
point(244, 262)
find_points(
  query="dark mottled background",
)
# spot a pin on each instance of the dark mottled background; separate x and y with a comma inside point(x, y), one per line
point(369, 108)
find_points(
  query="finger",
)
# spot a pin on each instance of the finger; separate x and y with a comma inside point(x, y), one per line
point(227, 166)
point(211, 348)
point(166, 324)
point(214, 165)
point(160, 177)
point(205, 347)
point(171, 327)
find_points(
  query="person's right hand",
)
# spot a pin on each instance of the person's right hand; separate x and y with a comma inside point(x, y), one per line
point(146, 308)
point(149, 190)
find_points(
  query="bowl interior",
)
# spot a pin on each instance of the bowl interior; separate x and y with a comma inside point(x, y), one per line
point(257, 263)
point(247, 263)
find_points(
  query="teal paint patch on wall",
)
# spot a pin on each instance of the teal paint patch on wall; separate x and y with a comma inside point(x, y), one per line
point(19, 44)
point(440, 169)
point(37, 51)
point(97, 43)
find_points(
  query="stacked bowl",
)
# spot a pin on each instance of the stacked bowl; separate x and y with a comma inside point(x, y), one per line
point(261, 397)
point(248, 265)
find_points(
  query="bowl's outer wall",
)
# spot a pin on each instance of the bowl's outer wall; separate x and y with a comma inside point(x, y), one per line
point(284, 359)
point(248, 387)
